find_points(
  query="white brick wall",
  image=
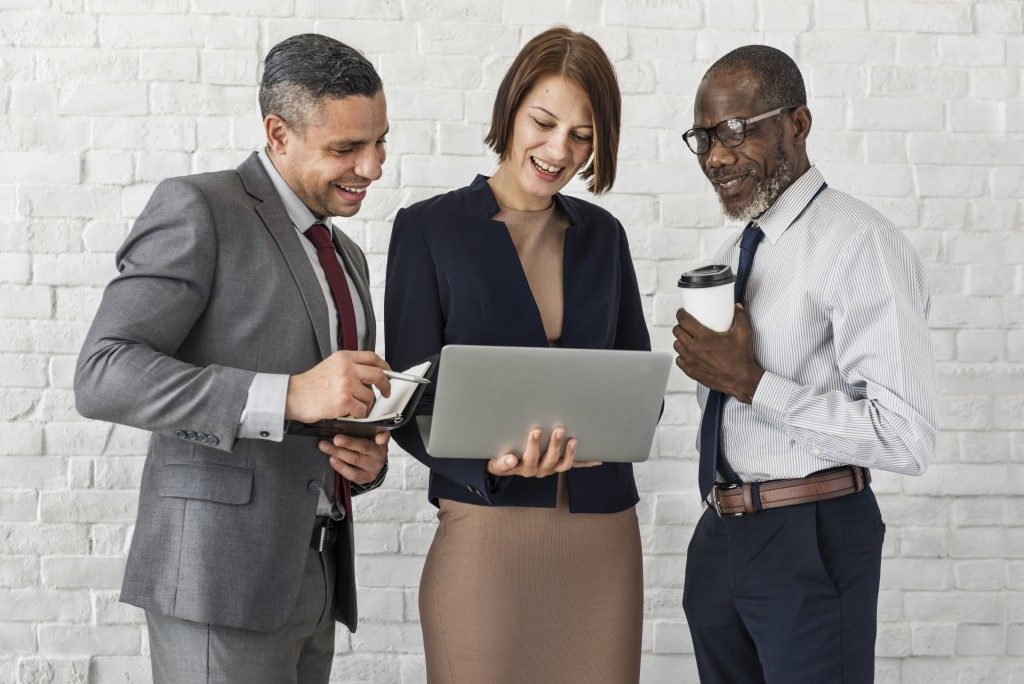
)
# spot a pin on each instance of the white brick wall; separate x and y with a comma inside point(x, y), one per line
point(919, 109)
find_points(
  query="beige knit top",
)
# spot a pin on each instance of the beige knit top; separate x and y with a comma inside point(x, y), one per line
point(539, 238)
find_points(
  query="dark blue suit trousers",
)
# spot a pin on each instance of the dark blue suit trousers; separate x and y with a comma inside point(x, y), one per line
point(786, 595)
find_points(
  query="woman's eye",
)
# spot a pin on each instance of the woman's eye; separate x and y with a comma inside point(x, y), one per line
point(585, 139)
point(543, 125)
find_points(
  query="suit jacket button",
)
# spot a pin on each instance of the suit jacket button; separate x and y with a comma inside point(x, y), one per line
point(264, 433)
point(200, 437)
point(212, 440)
point(313, 487)
point(180, 434)
point(189, 434)
point(473, 490)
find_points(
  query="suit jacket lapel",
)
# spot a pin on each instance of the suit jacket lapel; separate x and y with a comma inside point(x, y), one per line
point(274, 216)
point(360, 279)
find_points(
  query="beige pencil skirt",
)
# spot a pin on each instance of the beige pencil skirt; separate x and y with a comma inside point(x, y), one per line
point(533, 595)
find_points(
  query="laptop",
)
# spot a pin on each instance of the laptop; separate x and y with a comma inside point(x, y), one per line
point(489, 398)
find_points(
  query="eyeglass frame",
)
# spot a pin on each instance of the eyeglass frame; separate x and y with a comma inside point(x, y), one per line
point(712, 132)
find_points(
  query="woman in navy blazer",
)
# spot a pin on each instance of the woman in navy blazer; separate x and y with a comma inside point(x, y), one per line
point(520, 584)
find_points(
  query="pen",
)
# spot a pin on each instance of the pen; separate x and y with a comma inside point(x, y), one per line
point(408, 378)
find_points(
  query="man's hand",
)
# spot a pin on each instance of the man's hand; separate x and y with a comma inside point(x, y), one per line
point(720, 361)
point(340, 385)
point(357, 459)
point(535, 464)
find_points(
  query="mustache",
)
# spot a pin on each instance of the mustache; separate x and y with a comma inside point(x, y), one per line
point(717, 175)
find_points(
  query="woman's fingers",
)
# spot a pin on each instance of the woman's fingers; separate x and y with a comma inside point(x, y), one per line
point(503, 465)
point(554, 451)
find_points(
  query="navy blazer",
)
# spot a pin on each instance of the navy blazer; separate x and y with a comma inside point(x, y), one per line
point(454, 277)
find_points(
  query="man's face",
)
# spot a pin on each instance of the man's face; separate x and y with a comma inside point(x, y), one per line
point(332, 162)
point(748, 178)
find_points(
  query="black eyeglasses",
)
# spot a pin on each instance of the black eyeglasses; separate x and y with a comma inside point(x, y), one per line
point(731, 132)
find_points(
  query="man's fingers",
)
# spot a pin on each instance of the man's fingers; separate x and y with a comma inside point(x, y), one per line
point(359, 400)
point(382, 438)
point(363, 445)
point(689, 324)
point(365, 358)
point(351, 473)
point(740, 317)
point(372, 375)
point(351, 457)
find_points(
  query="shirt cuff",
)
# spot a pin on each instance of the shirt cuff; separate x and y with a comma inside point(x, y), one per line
point(772, 397)
point(263, 415)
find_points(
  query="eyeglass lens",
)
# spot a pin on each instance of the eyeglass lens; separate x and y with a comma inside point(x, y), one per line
point(730, 133)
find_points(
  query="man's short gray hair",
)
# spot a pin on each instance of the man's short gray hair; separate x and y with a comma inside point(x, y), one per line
point(782, 84)
point(299, 72)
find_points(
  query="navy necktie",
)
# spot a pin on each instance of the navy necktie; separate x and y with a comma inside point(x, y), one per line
point(711, 460)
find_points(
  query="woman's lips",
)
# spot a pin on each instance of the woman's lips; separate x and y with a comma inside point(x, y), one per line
point(543, 172)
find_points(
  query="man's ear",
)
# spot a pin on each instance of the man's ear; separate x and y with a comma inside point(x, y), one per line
point(277, 133)
point(801, 120)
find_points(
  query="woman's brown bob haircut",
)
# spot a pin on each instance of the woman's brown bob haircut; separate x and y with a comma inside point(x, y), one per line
point(580, 60)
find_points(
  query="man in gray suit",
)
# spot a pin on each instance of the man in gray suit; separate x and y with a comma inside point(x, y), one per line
point(233, 300)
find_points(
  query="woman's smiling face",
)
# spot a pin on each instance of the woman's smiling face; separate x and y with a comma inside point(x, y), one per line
point(552, 138)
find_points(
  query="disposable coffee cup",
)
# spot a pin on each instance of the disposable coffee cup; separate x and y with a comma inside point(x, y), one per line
point(709, 295)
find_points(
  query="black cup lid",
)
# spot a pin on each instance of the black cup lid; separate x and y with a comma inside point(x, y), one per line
point(707, 276)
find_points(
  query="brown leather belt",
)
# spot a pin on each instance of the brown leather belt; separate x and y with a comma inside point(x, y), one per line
point(753, 497)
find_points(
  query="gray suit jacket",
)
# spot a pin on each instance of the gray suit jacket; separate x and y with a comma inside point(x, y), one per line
point(214, 286)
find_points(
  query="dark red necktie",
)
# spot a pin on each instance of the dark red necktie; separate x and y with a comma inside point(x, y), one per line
point(320, 236)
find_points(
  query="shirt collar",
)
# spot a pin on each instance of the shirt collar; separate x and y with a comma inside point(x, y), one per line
point(790, 204)
point(302, 218)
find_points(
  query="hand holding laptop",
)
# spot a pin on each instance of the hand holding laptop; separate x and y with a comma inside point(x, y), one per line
point(534, 464)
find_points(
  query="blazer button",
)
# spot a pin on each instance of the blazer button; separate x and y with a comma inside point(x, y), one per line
point(313, 487)
point(180, 434)
point(212, 440)
point(200, 437)
point(264, 433)
point(189, 434)
point(473, 490)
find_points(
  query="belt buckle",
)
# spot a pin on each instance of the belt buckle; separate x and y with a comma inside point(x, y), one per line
point(716, 501)
point(323, 538)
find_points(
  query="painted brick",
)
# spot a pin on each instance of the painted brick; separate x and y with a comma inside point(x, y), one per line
point(916, 110)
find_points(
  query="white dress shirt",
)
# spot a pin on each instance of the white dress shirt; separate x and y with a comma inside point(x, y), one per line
point(838, 305)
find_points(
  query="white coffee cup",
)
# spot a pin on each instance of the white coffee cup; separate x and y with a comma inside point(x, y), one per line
point(709, 295)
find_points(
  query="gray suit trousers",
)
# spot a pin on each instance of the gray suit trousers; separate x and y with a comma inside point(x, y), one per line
point(298, 652)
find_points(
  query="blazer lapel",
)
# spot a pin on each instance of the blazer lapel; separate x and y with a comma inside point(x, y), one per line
point(499, 250)
point(574, 287)
point(274, 216)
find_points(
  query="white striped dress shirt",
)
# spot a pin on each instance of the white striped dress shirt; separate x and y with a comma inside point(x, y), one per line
point(838, 305)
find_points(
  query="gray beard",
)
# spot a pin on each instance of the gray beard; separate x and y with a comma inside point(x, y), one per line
point(765, 194)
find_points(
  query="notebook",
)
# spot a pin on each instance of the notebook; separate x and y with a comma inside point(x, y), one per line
point(387, 413)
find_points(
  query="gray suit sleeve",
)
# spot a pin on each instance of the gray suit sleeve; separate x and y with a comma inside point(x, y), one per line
point(127, 372)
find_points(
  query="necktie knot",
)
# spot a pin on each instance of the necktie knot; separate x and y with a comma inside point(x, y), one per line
point(752, 235)
point(320, 236)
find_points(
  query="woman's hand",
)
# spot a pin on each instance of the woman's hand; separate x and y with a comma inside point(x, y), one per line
point(535, 464)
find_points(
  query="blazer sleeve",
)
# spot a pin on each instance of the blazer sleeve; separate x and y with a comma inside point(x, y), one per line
point(413, 331)
point(126, 371)
point(631, 331)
